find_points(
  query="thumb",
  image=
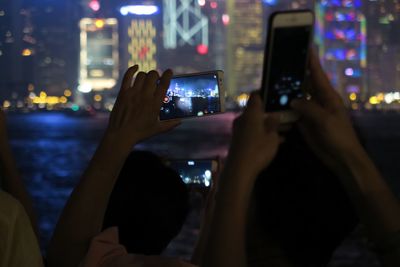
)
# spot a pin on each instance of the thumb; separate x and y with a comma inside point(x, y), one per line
point(254, 101)
point(166, 126)
point(271, 123)
point(310, 111)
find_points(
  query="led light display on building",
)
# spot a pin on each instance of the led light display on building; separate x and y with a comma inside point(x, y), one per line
point(341, 38)
point(184, 24)
point(99, 54)
point(142, 46)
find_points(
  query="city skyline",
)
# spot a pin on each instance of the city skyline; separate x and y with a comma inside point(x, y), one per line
point(41, 52)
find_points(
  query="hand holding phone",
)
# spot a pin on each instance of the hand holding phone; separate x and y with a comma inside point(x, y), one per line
point(285, 62)
point(194, 95)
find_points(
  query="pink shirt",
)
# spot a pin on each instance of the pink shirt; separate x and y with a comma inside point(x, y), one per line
point(105, 251)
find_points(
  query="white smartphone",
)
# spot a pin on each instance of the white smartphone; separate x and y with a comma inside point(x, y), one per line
point(194, 95)
point(286, 60)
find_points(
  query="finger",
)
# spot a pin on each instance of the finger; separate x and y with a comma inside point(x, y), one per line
point(150, 83)
point(282, 139)
point(163, 85)
point(284, 128)
point(128, 77)
point(309, 111)
point(321, 87)
point(166, 126)
point(139, 81)
point(254, 102)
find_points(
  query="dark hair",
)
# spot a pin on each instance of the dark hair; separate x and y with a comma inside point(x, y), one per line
point(302, 205)
point(149, 204)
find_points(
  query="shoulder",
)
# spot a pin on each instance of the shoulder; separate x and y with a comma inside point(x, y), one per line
point(19, 244)
point(105, 251)
point(10, 210)
point(151, 261)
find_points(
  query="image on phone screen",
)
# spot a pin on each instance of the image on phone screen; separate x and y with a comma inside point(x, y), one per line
point(191, 96)
point(287, 66)
point(194, 172)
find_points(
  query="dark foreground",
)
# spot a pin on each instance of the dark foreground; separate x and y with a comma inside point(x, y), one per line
point(52, 150)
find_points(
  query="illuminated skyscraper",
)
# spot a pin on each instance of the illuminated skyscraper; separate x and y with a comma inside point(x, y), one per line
point(17, 51)
point(142, 47)
point(383, 45)
point(194, 35)
point(56, 57)
point(245, 45)
point(341, 38)
point(141, 34)
point(99, 66)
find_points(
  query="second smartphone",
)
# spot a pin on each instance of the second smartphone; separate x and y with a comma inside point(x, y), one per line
point(286, 58)
point(195, 172)
point(194, 95)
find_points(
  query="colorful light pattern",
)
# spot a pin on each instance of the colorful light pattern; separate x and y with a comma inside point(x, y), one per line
point(341, 38)
point(139, 10)
point(142, 47)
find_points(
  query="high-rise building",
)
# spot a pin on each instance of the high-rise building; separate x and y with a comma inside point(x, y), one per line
point(57, 35)
point(99, 57)
point(193, 35)
point(141, 27)
point(246, 33)
point(341, 39)
point(383, 45)
point(17, 51)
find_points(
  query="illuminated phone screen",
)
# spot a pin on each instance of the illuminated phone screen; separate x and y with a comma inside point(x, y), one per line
point(194, 172)
point(287, 67)
point(191, 96)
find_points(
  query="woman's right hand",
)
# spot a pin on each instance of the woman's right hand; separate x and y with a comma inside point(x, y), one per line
point(255, 138)
point(324, 122)
point(135, 115)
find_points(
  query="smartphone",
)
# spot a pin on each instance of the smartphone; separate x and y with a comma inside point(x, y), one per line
point(286, 60)
point(194, 95)
point(195, 172)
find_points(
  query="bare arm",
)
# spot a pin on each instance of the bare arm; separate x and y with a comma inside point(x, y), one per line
point(10, 177)
point(377, 206)
point(206, 218)
point(253, 132)
point(134, 118)
point(328, 130)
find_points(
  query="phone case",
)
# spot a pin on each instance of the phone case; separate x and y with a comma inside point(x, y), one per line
point(288, 118)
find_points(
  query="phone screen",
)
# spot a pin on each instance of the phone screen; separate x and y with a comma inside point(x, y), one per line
point(290, 47)
point(191, 96)
point(194, 172)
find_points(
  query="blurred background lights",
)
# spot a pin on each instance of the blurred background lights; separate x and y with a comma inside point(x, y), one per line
point(270, 2)
point(349, 72)
point(225, 19)
point(94, 5)
point(85, 88)
point(139, 10)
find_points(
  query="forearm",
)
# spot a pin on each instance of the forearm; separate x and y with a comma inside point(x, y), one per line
point(198, 253)
point(13, 184)
point(83, 214)
point(226, 244)
point(377, 206)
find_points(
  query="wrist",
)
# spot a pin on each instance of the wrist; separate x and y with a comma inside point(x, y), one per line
point(361, 174)
point(118, 142)
point(237, 176)
point(244, 165)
